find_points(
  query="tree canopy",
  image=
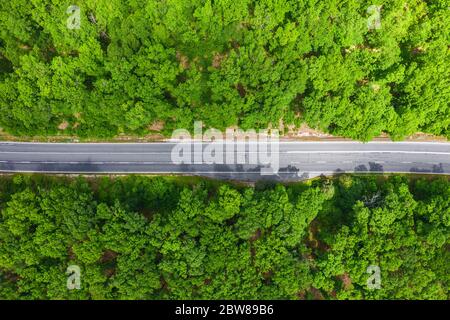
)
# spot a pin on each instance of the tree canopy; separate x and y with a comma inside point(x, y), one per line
point(134, 67)
point(160, 238)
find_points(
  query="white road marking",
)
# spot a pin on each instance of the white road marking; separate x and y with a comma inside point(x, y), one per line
point(172, 141)
point(371, 151)
point(237, 152)
point(312, 173)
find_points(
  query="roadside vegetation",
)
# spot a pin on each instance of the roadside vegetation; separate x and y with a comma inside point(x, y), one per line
point(163, 238)
point(142, 67)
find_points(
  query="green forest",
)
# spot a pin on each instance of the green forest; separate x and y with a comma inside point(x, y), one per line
point(142, 237)
point(101, 68)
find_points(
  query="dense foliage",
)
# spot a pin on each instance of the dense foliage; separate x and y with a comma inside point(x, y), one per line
point(149, 238)
point(137, 66)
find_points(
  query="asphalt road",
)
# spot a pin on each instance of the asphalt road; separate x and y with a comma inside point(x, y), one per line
point(297, 160)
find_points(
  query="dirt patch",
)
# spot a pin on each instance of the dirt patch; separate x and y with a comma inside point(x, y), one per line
point(217, 60)
point(346, 281)
point(306, 132)
point(63, 125)
point(312, 240)
point(281, 126)
point(108, 256)
point(11, 276)
point(418, 50)
point(256, 235)
point(420, 136)
point(183, 60)
point(109, 272)
point(363, 82)
point(267, 276)
point(240, 88)
point(317, 295)
point(361, 47)
point(303, 133)
point(156, 126)
point(71, 254)
point(164, 284)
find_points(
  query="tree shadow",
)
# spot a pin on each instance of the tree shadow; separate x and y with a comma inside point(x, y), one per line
point(375, 167)
point(361, 168)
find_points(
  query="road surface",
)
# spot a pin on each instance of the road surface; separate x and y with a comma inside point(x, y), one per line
point(297, 160)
